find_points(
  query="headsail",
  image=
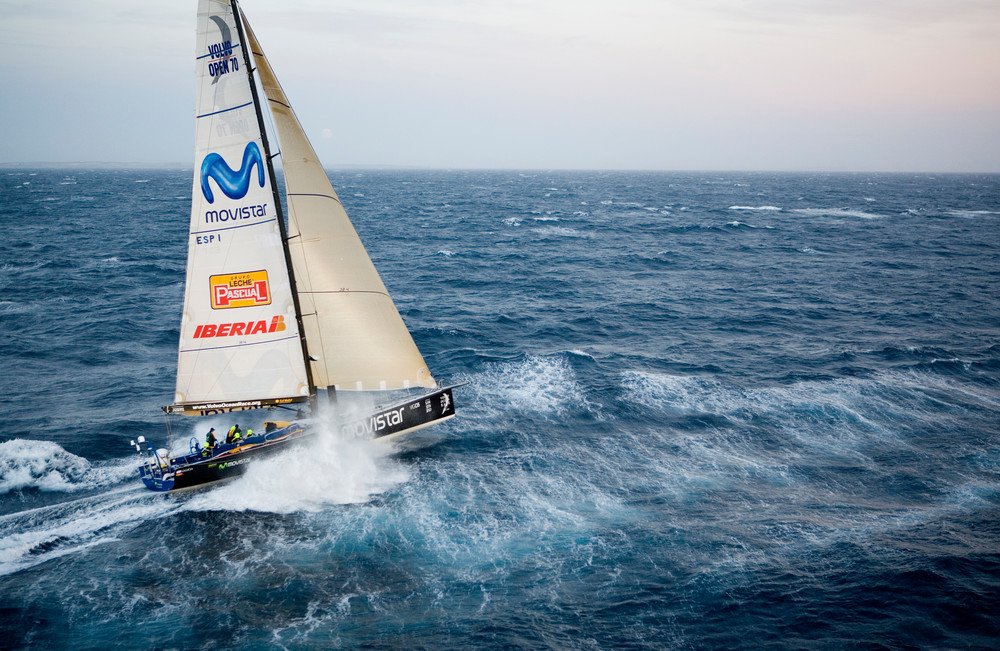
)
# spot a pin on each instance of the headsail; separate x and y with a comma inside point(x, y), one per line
point(354, 333)
point(239, 342)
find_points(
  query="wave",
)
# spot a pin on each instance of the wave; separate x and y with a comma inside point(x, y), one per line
point(842, 417)
point(971, 214)
point(696, 394)
point(34, 536)
point(739, 224)
point(46, 466)
point(755, 208)
point(560, 231)
point(827, 447)
point(543, 386)
point(837, 212)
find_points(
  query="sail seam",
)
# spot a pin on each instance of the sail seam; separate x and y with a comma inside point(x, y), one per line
point(207, 115)
point(229, 228)
point(346, 291)
point(205, 56)
point(252, 343)
point(312, 194)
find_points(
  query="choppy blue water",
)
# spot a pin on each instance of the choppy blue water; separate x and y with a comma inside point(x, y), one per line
point(704, 411)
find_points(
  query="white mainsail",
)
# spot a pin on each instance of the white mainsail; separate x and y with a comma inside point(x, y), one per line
point(239, 335)
point(354, 334)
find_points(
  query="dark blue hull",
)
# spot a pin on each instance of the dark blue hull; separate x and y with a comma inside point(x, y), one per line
point(231, 460)
point(224, 461)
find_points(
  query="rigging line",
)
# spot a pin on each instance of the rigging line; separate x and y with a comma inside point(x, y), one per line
point(166, 420)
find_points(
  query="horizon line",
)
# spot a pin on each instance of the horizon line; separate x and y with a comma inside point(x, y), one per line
point(124, 165)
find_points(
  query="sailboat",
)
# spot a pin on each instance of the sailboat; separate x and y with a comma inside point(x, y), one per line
point(275, 315)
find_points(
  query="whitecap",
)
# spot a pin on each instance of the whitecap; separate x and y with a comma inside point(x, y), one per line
point(755, 208)
point(837, 212)
point(40, 464)
point(973, 213)
point(46, 466)
point(559, 231)
point(541, 385)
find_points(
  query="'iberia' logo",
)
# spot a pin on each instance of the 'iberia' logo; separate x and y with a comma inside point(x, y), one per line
point(240, 328)
point(234, 183)
point(240, 290)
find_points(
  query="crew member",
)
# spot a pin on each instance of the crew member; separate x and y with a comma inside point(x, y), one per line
point(210, 442)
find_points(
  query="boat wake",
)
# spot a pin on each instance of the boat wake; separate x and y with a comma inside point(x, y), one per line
point(34, 536)
point(330, 469)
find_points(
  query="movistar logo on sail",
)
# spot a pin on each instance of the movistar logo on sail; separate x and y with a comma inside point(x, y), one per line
point(234, 183)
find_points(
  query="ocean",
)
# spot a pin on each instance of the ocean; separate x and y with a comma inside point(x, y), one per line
point(703, 410)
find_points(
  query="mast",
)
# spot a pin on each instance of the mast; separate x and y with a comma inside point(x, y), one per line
point(269, 158)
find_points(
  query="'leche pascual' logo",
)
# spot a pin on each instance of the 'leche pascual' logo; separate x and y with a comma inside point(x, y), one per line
point(247, 289)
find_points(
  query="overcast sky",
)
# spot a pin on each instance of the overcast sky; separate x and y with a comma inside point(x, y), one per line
point(865, 85)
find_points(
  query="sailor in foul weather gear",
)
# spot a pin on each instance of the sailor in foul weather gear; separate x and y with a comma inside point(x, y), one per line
point(210, 442)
